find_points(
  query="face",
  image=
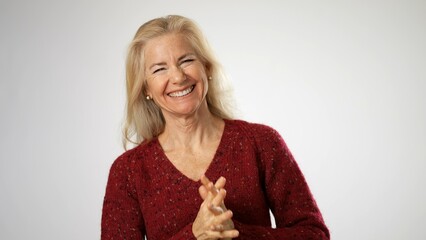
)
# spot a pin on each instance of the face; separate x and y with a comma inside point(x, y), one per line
point(176, 78)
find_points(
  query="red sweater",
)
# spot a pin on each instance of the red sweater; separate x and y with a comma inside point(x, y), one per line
point(147, 195)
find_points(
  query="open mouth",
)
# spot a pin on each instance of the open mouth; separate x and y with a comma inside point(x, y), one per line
point(183, 92)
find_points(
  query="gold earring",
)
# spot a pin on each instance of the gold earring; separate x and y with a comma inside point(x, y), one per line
point(210, 78)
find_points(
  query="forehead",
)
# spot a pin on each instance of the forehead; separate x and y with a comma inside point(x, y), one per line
point(171, 45)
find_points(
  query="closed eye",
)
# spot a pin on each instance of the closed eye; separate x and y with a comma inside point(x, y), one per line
point(158, 70)
point(187, 61)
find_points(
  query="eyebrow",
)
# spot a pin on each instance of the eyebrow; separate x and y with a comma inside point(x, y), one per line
point(157, 64)
point(179, 59)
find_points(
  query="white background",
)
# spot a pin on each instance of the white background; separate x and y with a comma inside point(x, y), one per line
point(342, 81)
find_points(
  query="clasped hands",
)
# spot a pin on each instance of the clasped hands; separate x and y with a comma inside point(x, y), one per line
point(213, 220)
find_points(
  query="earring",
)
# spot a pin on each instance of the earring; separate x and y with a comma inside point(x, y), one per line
point(210, 78)
point(148, 97)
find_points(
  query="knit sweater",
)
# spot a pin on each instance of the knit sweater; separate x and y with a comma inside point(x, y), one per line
point(147, 196)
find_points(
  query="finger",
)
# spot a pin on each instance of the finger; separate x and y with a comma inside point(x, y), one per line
point(209, 198)
point(216, 210)
point(211, 235)
point(219, 198)
point(202, 190)
point(204, 180)
point(221, 218)
point(220, 183)
point(222, 234)
point(207, 202)
point(229, 233)
point(212, 188)
point(208, 184)
point(218, 227)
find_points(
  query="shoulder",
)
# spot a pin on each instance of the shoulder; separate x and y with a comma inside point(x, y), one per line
point(265, 138)
point(256, 130)
point(127, 160)
point(269, 145)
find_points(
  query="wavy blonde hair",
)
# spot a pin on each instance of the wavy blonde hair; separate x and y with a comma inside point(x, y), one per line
point(144, 119)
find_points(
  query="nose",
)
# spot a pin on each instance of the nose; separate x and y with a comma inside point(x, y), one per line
point(177, 75)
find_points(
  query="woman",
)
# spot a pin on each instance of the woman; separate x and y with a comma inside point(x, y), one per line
point(178, 115)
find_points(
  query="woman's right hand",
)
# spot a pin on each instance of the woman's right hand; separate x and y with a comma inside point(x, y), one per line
point(213, 220)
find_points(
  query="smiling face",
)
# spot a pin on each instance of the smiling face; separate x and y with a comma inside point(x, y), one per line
point(176, 78)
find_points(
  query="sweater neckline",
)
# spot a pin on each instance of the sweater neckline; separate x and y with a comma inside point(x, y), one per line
point(214, 162)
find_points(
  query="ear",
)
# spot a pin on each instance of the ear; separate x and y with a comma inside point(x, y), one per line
point(146, 91)
point(208, 69)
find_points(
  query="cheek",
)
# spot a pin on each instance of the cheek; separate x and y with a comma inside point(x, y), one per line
point(202, 76)
point(155, 86)
point(198, 71)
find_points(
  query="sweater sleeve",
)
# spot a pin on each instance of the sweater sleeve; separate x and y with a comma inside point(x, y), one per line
point(184, 234)
point(295, 210)
point(121, 215)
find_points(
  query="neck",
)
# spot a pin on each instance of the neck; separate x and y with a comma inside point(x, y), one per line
point(191, 132)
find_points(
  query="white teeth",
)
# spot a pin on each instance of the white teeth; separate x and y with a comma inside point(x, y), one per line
point(182, 93)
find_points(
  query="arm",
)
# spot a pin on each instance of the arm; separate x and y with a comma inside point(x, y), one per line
point(296, 213)
point(184, 234)
point(121, 215)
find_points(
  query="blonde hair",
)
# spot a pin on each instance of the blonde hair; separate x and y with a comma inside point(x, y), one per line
point(144, 120)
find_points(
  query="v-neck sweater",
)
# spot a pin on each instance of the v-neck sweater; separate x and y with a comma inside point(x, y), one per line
point(147, 196)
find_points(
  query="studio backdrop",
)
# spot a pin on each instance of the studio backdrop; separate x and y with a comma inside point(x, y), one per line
point(344, 82)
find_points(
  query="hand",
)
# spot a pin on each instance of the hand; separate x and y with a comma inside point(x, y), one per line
point(213, 219)
point(217, 207)
point(214, 189)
